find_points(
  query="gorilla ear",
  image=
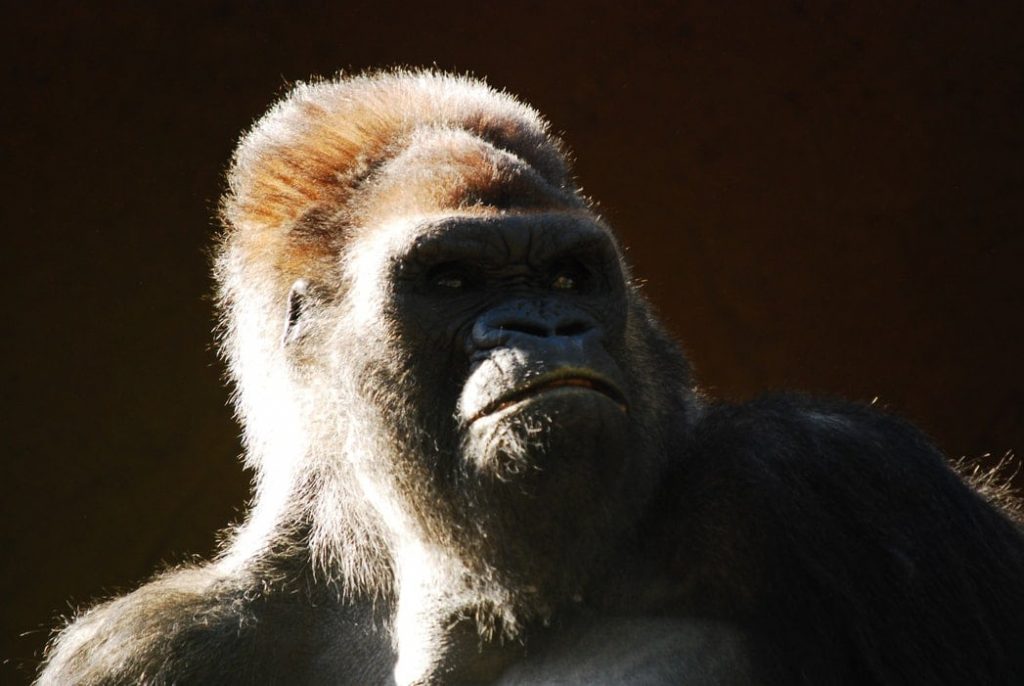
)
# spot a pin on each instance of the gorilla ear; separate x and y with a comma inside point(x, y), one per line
point(298, 299)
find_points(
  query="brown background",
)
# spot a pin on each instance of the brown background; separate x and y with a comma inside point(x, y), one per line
point(821, 196)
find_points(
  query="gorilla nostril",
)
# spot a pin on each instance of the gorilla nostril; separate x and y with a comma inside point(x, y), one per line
point(576, 328)
point(526, 327)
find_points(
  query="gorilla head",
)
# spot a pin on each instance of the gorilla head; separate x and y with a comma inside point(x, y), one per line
point(465, 371)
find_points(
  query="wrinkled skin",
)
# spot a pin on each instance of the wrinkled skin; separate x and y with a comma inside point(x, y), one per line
point(480, 459)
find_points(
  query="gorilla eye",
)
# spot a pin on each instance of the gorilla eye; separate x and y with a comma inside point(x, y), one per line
point(450, 276)
point(450, 281)
point(568, 276)
point(564, 282)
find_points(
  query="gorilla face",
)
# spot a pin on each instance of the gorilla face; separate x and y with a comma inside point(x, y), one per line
point(531, 308)
point(492, 349)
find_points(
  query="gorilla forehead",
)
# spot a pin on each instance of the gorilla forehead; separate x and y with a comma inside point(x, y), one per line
point(502, 238)
point(457, 169)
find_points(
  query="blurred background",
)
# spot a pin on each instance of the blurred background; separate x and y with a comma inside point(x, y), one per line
point(820, 196)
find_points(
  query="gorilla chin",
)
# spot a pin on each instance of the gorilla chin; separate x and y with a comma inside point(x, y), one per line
point(550, 429)
point(543, 423)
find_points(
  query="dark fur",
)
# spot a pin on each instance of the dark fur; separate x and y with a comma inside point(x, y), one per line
point(784, 541)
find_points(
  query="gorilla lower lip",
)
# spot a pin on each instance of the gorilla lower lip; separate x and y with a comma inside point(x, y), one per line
point(547, 384)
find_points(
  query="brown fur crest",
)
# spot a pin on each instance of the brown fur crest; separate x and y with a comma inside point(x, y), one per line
point(324, 160)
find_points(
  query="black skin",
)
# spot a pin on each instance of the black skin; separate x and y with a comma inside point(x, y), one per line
point(782, 541)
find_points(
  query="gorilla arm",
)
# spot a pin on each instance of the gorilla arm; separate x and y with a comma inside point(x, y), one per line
point(204, 626)
point(171, 626)
point(840, 539)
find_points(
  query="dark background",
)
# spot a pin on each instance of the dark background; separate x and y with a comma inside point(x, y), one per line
point(821, 196)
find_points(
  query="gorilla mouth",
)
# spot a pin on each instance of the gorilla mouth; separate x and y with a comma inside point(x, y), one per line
point(553, 382)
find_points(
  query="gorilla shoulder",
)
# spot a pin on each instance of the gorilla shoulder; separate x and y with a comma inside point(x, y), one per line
point(174, 627)
point(202, 626)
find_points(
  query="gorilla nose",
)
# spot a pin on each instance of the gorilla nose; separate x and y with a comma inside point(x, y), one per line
point(531, 325)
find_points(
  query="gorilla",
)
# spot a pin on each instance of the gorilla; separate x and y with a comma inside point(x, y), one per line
point(480, 459)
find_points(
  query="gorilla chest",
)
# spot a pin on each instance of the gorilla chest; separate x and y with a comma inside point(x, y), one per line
point(619, 651)
point(627, 651)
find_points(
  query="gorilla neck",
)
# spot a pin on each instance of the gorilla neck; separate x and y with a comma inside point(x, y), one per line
point(454, 605)
point(455, 623)
point(470, 603)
